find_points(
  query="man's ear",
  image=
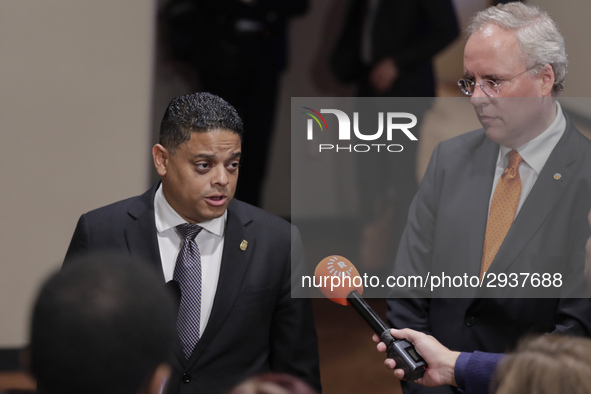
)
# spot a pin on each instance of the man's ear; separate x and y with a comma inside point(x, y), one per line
point(160, 156)
point(547, 80)
point(159, 379)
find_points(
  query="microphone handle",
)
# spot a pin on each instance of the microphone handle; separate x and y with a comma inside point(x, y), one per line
point(367, 313)
point(400, 350)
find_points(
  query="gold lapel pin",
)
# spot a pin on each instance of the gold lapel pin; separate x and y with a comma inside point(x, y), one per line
point(243, 245)
point(557, 176)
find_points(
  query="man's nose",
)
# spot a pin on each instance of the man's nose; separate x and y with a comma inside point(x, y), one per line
point(220, 175)
point(478, 96)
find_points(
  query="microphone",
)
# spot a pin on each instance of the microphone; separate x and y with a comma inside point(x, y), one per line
point(348, 291)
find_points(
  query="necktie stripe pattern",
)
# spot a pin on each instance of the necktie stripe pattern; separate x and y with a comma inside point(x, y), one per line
point(502, 210)
point(187, 272)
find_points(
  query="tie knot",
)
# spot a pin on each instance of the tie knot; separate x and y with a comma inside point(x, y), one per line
point(514, 159)
point(188, 231)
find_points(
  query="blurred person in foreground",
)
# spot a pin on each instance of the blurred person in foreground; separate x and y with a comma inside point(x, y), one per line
point(102, 326)
point(273, 383)
point(545, 365)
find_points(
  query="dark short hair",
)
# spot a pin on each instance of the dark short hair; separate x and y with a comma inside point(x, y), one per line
point(196, 113)
point(101, 325)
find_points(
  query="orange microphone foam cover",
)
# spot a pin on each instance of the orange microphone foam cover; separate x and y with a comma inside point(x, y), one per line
point(338, 267)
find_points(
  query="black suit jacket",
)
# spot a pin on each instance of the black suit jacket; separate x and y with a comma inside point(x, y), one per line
point(412, 32)
point(445, 232)
point(255, 326)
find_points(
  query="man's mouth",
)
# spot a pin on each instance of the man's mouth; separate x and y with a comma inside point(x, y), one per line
point(216, 200)
point(485, 118)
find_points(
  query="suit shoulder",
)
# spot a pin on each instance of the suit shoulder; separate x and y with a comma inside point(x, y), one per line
point(583, 153)
point(584, 142)
point(464, 142)
point(117, 207)
point(459, 149)
point(116, 212)
point(257, 216)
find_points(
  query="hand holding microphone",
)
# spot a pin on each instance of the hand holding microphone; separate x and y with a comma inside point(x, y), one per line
point(349, 293)
point(442, 361)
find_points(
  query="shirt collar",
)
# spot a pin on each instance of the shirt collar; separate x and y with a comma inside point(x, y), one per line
point(535, 153)
point(167, 218)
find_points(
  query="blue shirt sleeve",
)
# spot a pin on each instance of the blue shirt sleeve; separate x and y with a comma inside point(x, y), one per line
point(474, 371)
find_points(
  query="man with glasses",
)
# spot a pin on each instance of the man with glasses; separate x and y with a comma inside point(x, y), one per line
point(505, 200)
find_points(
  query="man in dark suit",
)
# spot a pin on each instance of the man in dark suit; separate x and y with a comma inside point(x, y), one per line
point(505, 201)
point(386, 49)
point(236, 314)
point(387, 46)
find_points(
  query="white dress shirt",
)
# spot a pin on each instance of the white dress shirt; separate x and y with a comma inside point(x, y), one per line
point(534, 153)
point(210, 241)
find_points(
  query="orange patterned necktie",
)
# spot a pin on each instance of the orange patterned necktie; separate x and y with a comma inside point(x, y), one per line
point(502, 210)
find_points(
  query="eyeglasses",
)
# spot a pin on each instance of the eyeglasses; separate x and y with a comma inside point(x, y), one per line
point(489, 87)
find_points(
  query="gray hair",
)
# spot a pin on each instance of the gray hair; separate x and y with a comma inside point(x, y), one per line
point(537, 35)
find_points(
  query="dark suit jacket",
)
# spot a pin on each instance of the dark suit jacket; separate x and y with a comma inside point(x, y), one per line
point(412, 32)
point(203, 32)
point(255, 326)
point(445, 232)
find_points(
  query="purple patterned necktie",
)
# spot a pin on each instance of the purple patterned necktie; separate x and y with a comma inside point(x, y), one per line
point(187, 272)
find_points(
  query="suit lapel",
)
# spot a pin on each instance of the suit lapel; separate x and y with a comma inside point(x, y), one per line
point(141, 235)
point(235, 262)
point(543, 197)
point(480, 183)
